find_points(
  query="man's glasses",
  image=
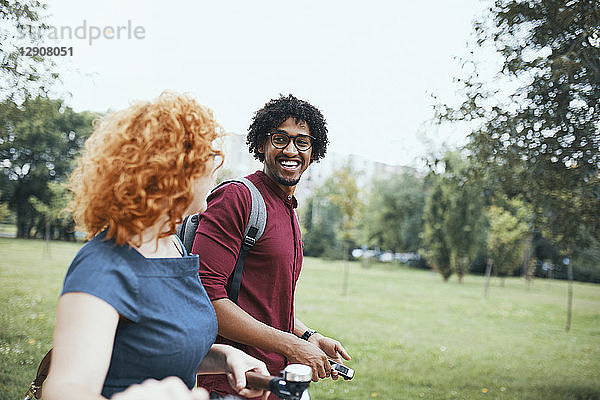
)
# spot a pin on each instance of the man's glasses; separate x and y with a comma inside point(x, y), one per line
point(280, 140)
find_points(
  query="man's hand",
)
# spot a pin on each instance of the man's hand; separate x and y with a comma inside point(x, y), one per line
point(315, 353)
point(332, 348)
point(303, 352)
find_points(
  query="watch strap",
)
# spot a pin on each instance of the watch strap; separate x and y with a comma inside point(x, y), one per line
point(308, 334)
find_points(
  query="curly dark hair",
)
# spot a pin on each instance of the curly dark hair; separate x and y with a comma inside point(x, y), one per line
point(275, 112)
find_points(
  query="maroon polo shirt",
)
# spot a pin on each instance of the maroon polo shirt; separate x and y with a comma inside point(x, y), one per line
point(271, 268)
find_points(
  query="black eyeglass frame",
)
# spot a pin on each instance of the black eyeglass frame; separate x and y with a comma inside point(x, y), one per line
point(292, 139)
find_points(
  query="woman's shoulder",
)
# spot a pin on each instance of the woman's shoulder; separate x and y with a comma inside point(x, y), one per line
point(104, 256)
point(107, 271)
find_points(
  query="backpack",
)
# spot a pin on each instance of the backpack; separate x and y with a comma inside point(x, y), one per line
point(35, 389)
point(252, 232)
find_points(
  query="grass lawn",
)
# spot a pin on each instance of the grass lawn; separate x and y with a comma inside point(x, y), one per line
point(411, 335)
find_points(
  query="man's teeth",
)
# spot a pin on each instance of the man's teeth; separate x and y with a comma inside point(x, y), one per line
point(289, 163)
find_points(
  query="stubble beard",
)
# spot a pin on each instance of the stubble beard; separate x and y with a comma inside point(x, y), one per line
point(279, 178)
point(286, 182)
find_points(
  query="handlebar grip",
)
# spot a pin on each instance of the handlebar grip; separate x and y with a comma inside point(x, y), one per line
point(255, 380)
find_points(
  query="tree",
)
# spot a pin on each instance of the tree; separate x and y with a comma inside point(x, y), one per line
point(464, 220)
point(506, 240)
point(345, 195)
point(394, 213)
point(544, 140)
point(541, 139)
point(454, 218)
point(435, 247)
point(38, 142)
point(52, 214)
point(332, 215)
point(22, 24)
point(4, 212)
point(320, 220)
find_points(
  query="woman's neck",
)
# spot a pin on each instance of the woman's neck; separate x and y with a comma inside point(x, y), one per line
point(165, 247)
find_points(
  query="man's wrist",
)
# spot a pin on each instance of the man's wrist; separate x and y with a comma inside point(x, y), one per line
point(289, 344)
point(307, 334)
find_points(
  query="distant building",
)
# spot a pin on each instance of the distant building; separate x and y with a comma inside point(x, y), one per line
point(365, 171)
point(239, 162)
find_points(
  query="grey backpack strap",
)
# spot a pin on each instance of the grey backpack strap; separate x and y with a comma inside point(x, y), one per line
point(187, 231)
point(258, 211)
point(253, 231)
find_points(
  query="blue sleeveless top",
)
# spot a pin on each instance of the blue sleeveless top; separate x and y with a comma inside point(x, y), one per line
point(170, 323)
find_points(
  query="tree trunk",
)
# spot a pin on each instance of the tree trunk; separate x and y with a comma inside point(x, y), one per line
point(19, 229)
point(365, 260)
point(526, 262)
point(23, 229)
point(22, 210)
point(47, 235)
point(461, 269)
point(530, 272)
point(346, 271)
point(570, 297)
point(488, 272)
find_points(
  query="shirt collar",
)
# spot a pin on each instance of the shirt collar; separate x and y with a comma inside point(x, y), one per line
point(288, 200)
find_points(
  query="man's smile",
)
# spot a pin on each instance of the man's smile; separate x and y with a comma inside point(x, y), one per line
point(289, 164)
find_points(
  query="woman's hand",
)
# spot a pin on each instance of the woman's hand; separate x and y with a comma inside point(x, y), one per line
point(237, 363)
point(171, 388)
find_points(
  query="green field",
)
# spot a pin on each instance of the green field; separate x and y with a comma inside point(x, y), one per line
point(411, 335)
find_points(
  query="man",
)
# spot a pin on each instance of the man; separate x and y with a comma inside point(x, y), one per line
point(286, 135)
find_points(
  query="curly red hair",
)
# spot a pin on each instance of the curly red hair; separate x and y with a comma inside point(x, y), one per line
point(139, 164)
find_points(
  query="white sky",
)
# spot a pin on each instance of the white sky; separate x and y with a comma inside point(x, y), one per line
point(371, 67)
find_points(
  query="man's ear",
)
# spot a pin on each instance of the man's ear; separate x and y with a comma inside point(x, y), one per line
point(261, 148)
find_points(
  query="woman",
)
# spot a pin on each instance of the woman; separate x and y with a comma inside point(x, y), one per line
point(132, 305)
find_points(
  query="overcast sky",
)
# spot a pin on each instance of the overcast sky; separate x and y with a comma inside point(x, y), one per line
point(371, 67)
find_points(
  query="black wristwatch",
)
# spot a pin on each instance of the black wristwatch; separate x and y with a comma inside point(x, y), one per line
point(307, 334)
